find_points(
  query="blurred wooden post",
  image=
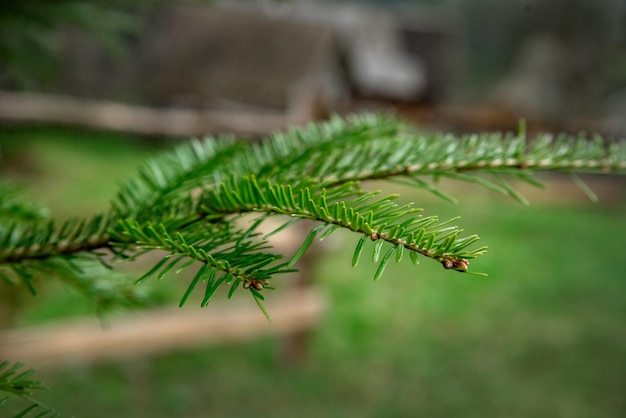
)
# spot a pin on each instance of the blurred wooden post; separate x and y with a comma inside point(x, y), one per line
point(305, 105)
point(11, 298)
point(295, 346)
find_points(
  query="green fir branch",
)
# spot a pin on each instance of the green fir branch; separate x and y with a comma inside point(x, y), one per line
point(379, 219)
point(19, 384)
point(226, 258)
point(15, 206)
point(189, 202)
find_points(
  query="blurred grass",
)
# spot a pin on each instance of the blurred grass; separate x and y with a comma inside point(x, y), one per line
point(71, 171)
point(542, 336)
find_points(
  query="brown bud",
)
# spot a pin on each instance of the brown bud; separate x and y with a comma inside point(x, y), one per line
point(461, 265)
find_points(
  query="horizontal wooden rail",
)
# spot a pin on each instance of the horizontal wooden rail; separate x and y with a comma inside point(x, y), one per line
point(154, 331)
point(115, 116)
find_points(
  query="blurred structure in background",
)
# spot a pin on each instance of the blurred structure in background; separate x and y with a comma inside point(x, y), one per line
point(556, 61)
point(220, 67)
point(193, 56)
point(464, 65)
point(390, 55)
point(238, 55)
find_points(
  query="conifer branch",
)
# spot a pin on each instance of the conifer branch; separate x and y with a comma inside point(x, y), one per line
point(13, 205)
point(188, 201)
point(19, 384)
point(354, 210)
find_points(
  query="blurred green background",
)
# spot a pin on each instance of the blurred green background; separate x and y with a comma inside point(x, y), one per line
point(541, 336)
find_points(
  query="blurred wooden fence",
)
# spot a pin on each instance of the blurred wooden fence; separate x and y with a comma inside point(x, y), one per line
point(115, 116)
point(54, 345)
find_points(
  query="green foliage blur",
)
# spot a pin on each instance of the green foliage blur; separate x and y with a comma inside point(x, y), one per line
point(542, 336)
point(31, 32)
